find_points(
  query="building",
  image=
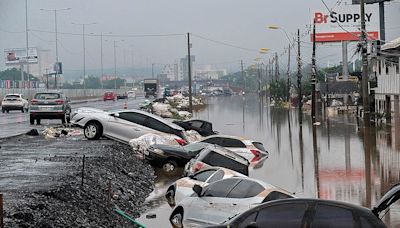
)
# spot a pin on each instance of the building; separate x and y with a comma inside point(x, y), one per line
point(183, 68)
point(207, 73)
point(170, 72)
point(386, 69)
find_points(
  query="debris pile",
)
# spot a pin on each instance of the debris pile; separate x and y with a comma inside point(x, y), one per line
point(143, 142)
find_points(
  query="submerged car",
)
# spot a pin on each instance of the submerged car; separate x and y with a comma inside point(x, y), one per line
point(183, 187)
point(217, 156)
point(49, 105)
point(123, 125)
point(14, 101)
point(250, 149)
point(313, 213)
point(223, 199)
point(204, 128)
point(169, 157)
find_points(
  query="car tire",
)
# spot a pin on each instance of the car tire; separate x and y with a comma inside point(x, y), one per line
point(170, 196)
point(26, 109)
point(63, 120)
point(7, 110)
point(3, 110)
point(176, 219)
point(38, 121)
point(31, 120)
point(92, 130)
point(22, 110)
point(170, 166)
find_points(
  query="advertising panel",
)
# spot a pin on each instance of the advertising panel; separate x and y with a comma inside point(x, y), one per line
point(16, 56)
point(344, 23)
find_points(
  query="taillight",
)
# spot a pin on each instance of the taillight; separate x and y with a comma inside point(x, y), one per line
point(181, 142)
point(34, 101)
point(59, 102)
point(197, 166)
point(256, 153)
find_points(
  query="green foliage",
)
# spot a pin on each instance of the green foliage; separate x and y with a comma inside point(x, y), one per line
point(278, 89)
point(15, 75)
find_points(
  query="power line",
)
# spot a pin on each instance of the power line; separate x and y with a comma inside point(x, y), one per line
point(225, 43)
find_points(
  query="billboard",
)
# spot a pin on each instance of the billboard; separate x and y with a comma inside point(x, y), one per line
point(16, 56)
point(344, 22)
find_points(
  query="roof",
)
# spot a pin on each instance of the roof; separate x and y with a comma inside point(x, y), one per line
point(394, 44)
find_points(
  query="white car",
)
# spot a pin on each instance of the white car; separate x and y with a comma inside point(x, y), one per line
point(14, 101)
point(222, 200)
point(183, 187)
point(131, 94)
point(249, 149)
point(123, 125)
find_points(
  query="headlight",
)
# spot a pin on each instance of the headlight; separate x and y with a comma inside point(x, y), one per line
point(158, 151)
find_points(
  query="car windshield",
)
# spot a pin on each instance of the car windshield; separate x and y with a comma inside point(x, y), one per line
point(194, 147)
point(47, 96)
point(259, 146)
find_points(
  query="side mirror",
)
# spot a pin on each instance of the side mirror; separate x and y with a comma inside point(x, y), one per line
point(115, 115)
point(252, 225)
point(197, 189)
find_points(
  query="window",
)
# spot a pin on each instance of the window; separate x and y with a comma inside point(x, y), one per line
point(246, 221)
point(217, 176)
point(214, 140)
point(245, 189)
point(12, 96)
point(203, 176)
point(47, 96)
point(133, 117)
point(157, 125)
point(232, 143)
point(220, 188)
point(274, 195)
point(215, 159)
point(259, 146)
point(331, 216)
point(197, 124)
point(284, 215)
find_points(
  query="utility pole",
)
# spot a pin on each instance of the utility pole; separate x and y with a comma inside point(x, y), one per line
point(27, 47)
point(299, 98)
point(84, 60)
point(313, 79)
point(152, 70)
point(365, 93)
point(276, 67)
point(189, 73)
point(101, 60)
point(382, 21)
point(244, 79)
point(115, 66)
point(288, 75)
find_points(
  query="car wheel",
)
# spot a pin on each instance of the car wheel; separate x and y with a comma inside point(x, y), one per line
point(63, 120)
point(3, 110)
point(31, 120)
point(170, 166)
point(26, 109)
point(22, 109)
point(177, 219)
point(92, 130)
point(170, 196)
point(7, 111)
point(38, 121)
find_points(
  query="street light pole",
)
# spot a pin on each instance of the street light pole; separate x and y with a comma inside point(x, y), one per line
point(365, 93)
point(115, 66)
point(27, 47)
point(189, 73)
point(101, 60)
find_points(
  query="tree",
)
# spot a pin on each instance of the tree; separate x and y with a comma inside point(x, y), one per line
point(15, 75)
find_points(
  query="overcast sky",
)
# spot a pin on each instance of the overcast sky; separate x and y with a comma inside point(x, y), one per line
point(238, 22)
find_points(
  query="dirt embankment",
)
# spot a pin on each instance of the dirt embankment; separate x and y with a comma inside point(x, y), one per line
point(113, 178)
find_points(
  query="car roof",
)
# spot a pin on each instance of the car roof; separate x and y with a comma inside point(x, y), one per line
point(150, 115)
point(223, 151)
point(243, 139)
point(51, 91)
point(266, 185)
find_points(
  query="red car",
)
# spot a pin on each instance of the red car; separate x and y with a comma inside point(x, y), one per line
point(109, 96)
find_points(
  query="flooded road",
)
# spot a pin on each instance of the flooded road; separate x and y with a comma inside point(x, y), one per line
point(343, 163)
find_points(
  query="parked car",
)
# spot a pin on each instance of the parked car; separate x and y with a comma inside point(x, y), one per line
point(183, 187)
point(250, 149)
point(217, 156)
point(131, 94)
point(123, 125)
point(169, 157)
point(223, 199)
point(204, 128)
point(122, 96)
point(49, 105)
point(313, 213)
point(109, 96)
point(14, 101)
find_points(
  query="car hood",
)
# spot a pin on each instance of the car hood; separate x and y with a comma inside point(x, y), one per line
point(388, 199)
point(169, 148)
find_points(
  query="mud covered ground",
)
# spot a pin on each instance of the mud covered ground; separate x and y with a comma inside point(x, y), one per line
point(41, 182)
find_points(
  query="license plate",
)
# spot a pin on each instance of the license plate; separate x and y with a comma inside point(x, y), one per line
point(46, 108)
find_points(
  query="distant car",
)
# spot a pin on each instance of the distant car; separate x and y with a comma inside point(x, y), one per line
point(313, 213)
point(123, 125)
point(183, 187)
point(131, 94)
point(122, 96)
point(49, 105)
point(109, 96)
point(204, 128)
point(223, 199)
point(170, 156)
point(217, 156)
point(250, 149)
point(14, 101)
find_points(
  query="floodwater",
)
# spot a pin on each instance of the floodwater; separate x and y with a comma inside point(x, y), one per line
point(340, 162)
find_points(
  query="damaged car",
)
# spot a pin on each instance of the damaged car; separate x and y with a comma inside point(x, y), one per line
point(204, 128)
point(183, 187)
point(313, 213)
point(123, 125)
point(223, 199)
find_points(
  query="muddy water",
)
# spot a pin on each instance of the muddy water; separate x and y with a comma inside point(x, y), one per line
point(340, 163)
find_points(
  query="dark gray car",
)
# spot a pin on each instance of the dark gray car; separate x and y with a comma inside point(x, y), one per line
point(49, 105)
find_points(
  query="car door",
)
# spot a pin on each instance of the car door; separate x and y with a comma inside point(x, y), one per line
point(126, 126)
point(203, 210)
